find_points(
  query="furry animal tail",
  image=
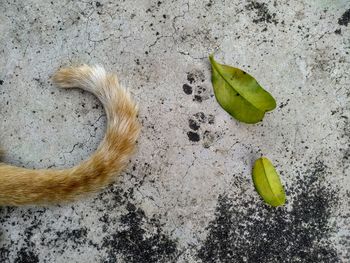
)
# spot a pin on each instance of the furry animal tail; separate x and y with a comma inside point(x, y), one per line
point(20, 186)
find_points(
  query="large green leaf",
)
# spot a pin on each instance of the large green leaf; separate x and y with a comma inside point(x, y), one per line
point(239, 93)
point(268, 183)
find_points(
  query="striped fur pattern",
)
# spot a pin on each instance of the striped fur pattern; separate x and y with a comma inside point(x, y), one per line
point(20, 186)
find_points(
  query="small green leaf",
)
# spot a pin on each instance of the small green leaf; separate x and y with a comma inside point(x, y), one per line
point(240, 94)
point(267, 182)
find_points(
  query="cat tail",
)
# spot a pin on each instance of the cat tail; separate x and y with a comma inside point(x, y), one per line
point(20, 186)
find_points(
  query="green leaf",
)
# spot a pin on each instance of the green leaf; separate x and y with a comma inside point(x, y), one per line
point(239, 93)
point(267, 182)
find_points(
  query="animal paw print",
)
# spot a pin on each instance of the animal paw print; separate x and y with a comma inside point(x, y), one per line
point(196, 87)
point(199, 124)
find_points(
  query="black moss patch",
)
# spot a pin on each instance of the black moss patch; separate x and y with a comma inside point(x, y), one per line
point(193, 136)
point(345, 18)
point(259, 233)
point(25, 255)
point(135, 244)
point(262, 13)
point(187, 89)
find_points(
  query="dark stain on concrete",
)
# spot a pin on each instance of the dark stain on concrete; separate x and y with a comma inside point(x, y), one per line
point(259, 233)
point(133, 236)
point(26, 255)
point(24, 252)
point(262, 13)
point(345, 148)
point(76, 237)
point(4, 254)
point(345, 18)
point(135, 244)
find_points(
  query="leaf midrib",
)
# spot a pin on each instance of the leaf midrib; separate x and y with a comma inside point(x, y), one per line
point(213, 62)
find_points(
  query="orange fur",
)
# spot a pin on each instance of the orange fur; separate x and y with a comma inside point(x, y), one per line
point(20, 186)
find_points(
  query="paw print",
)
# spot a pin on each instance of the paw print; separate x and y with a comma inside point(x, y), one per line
point(196, 87)
point(199, 124)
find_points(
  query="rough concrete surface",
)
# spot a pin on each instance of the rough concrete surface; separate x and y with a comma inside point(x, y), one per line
point(187, 195)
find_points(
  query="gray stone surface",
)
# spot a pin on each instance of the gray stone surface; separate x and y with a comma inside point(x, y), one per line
point(181, 200)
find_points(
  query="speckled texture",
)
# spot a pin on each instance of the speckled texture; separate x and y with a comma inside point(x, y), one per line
point(187, 195)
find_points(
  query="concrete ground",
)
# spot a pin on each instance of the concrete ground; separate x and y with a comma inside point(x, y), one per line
point(187, 195)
